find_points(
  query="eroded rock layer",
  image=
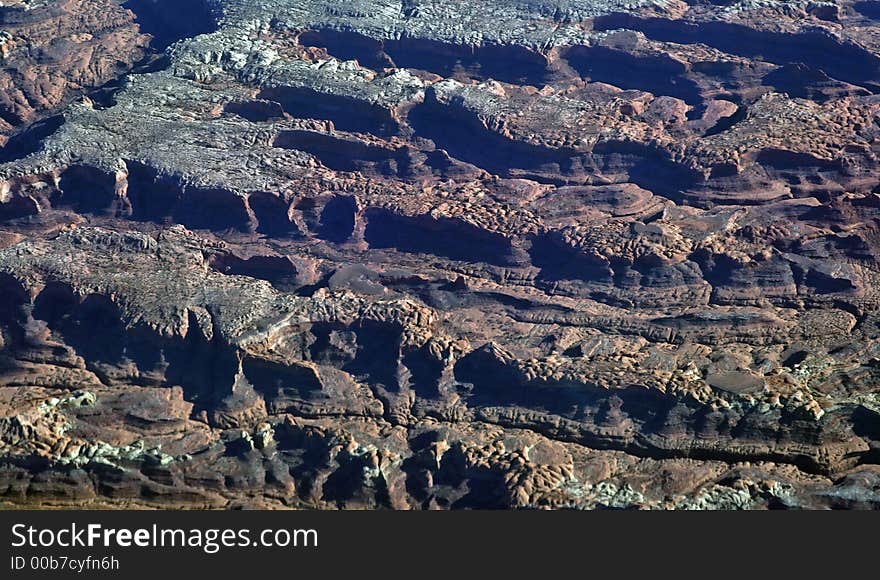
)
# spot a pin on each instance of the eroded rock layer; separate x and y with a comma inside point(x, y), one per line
point(434, 254)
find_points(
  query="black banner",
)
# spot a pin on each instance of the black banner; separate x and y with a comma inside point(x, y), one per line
point(246, 544)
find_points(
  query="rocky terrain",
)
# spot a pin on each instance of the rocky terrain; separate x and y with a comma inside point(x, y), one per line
point(440, 254)
point(53, 51)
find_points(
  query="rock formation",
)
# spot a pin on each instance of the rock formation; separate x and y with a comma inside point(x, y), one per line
point(439, 254)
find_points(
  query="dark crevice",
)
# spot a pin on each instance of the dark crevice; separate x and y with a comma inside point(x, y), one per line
point(256, 111)
point(19, 207)
point(726, 123)
point(341, 153)
point(346, 45)
point(559, 261)
point(869, 9)
point(278, 270)
point(377, 354)
point(272, 214)
point(278, 381)
point(87, 189)
point(447, 237)
point(10, 117)
point(169, 22)
point(346, 113)
point(104, 96)
point(337, 219)
point(12, 315)
point(94, 327)
point(463, 136)
point(645, 166)
point(214, 209)
point(839, 59)
point(30, 140)
point(782, 159)
point(805, 82)
point(152, 195)
point(506, 63)
point(663, 422)
point(157, 197)
point(659, 75)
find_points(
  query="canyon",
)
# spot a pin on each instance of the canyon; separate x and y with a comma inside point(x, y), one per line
point(440, 254)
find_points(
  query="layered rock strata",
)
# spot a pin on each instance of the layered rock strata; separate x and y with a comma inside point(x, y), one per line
point(432, 254)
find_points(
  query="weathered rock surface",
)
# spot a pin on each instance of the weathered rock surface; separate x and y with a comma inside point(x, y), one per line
point(53, 51)
point(432, 254)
